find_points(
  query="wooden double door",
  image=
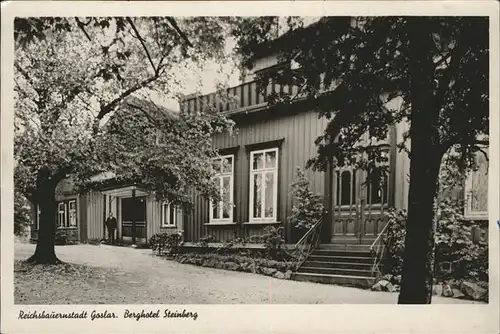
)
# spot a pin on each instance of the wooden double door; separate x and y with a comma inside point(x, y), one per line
point(358, 205)
point(133, 217)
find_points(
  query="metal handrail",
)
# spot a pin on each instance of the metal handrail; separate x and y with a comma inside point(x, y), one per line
point(377, 250)
point(307, 244)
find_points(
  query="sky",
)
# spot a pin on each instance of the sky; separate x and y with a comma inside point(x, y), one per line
point(206, 79)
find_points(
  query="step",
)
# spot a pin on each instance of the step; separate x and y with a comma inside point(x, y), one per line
point(345, 247)
point(328, 252)
point(345, 259)
point(337, 271)
point(347, 265)
point(354, 281)
point(353, 241)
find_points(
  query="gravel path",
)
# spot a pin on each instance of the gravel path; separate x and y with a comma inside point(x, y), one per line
point(120, 275)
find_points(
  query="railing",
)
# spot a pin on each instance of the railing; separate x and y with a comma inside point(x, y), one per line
point(243, 96)
point(307, 244)
point(377, 249)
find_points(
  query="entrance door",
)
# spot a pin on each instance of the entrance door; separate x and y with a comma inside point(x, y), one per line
point(358, 206)
point(133, 213)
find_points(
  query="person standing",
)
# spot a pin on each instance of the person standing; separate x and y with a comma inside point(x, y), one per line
point(111, 225)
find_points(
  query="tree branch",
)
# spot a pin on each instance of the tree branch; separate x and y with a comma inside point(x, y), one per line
point(106, 109)
point(82, 25)
point(456, 56)
point(139, 37)
point(445, 145)
point(173, 23)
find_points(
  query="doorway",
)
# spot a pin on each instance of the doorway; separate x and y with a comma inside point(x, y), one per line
point(358, 206)
point(133, 219)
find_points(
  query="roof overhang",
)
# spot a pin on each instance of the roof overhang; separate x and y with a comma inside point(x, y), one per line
point(126, 191)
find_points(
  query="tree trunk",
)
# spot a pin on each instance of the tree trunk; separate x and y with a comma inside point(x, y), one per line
point(425, 160)
point(45, 251)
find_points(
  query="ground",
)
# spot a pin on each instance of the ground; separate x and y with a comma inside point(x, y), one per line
point(121, 275)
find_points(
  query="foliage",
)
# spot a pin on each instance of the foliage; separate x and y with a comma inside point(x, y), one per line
point(235, 261)
point(363, 67)
point(73, 81)
point(164, 243)
point(273, 241)
point(22, 214)
point(61, 237)
point(205, 240)
point(454, 244)
point(349, 69)
point(395, 240)
point(309, 208)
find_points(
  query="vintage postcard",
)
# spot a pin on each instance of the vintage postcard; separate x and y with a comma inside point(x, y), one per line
point(250, 167)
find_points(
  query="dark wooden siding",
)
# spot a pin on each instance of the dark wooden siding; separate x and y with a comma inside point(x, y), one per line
point(82, 207)
point(95, 218)
point(298, 130)
point(153, 218)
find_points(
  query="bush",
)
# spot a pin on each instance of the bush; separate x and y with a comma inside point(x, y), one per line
point(163, 243)
point(395, 240)
point(22, 214)
point(237, 262)
point(61, 237)
point(205, 240)
point(273, 241)
point(309, 207)
point(453, 242)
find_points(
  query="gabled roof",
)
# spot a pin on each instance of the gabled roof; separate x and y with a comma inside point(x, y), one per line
point(150, 106)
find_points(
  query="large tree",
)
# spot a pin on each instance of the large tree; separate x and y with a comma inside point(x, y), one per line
point(73, 74)
point(436, 66)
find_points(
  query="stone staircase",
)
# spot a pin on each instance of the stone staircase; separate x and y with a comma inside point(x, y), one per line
point(341, 264)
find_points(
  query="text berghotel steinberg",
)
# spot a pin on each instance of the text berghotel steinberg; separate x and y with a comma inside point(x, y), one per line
point(127, 314)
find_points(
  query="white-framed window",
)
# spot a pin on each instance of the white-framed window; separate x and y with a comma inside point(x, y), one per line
point(38, 213)
point(264, 185)
point(222, 211)
point(72, 213)
point(476, 191)
point(168, 215)
point(61, 214)
point(67, 214)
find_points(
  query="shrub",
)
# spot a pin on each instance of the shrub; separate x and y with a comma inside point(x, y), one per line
point(309, 207)
point(163, 243)
point(395, 240)
point(273, 240)
point(205, 240)
point(61, 237)
point(22, 213)
point(237, 261)
point(453, 242)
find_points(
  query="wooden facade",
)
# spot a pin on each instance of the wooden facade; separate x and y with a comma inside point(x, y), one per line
point(293, 131)
point(93, 208)
point(293, 134)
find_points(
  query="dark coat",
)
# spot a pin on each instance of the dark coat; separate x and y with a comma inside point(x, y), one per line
point(111, 222)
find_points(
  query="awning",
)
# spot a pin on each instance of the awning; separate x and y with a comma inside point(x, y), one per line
point(125, 191)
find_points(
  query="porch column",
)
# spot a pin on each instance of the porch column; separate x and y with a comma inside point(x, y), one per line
point(133, 218)
point(326, 231)
point(104, 216)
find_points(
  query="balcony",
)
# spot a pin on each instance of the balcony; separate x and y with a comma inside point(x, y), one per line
point(239, 99)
